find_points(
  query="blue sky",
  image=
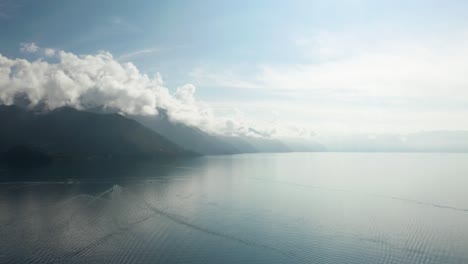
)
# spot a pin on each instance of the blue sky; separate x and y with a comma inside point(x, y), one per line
point(332, 66)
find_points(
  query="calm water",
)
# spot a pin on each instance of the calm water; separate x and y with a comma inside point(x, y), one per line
point(260, 208)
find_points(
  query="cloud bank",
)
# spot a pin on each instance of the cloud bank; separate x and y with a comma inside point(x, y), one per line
point(99, 81)
point(353, 65)
point(360, 81)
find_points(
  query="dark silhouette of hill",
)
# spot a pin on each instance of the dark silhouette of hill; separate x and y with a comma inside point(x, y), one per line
point(26, 156)
point(70, 133)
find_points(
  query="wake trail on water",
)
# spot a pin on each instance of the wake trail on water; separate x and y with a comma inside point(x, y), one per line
point(179, 220)
point(155, 211)
point(317, 187)
point(89, 226)
point(102, 240)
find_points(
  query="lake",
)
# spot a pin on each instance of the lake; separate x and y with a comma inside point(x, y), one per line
point(256, 208)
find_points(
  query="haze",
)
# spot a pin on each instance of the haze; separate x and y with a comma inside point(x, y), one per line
point(319, 70)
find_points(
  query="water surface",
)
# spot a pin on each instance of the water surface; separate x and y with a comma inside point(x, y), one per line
point(256, 208)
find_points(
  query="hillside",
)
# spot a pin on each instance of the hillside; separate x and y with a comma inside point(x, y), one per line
point(69, 133)
point(192, 138)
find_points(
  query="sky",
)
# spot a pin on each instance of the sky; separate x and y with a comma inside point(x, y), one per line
point(292, 68)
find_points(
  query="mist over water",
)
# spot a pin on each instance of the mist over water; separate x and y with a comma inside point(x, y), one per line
point(256, 208)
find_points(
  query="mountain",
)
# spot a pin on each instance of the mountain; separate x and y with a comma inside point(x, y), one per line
point(196, 140)
point(239, 143)
point(303, 145)
point(70, 133)
point(437, 141)
point(266, 144)
point(426, 141)
point(192, 138)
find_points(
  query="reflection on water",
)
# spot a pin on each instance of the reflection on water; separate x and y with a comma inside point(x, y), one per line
point(261, 208)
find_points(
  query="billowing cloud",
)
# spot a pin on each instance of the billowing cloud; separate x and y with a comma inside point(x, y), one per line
point(81, 82)
point(99, 81)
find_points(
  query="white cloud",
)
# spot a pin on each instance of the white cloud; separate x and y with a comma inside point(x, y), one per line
point(100, 81)
point(34, 48)
point(411, 70)
point(48, 52)
point(361, 83)
point(361, 65)
point(78, 81)
point(29, 47)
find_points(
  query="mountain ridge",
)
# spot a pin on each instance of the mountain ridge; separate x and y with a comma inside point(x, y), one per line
point(73, 134)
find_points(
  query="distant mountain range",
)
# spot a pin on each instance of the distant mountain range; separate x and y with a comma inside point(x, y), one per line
point(196, 140)
point(191, 138)
point(426, 141)
point(67, 133)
